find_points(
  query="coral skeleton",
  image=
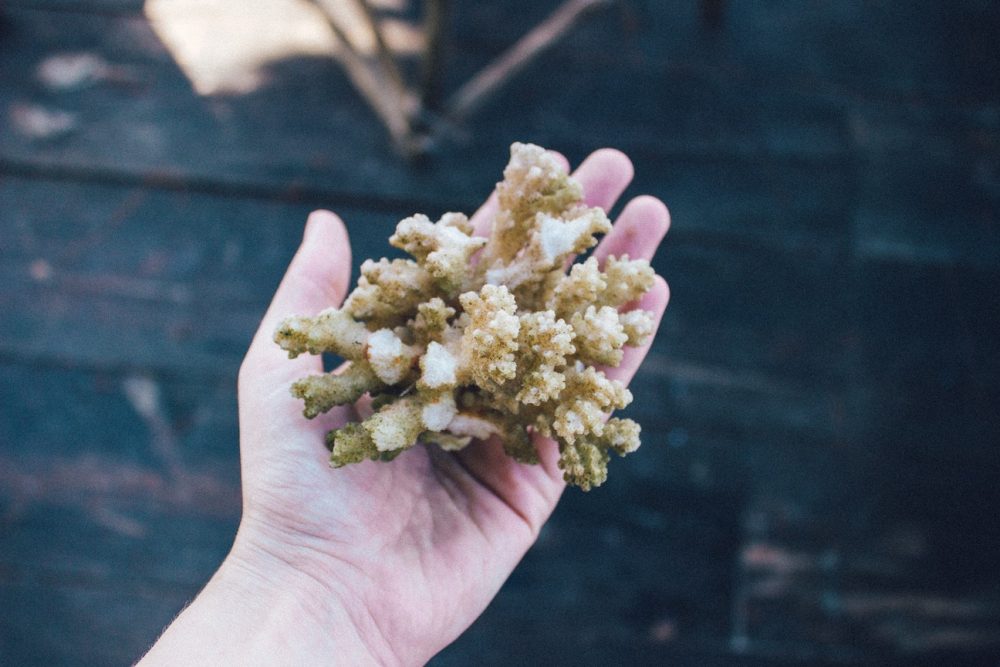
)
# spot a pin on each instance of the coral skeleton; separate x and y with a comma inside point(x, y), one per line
point(477, 337)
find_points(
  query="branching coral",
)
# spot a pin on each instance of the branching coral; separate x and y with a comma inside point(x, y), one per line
point(478, 337)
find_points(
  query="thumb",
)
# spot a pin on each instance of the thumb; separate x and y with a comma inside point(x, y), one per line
point(317, 278)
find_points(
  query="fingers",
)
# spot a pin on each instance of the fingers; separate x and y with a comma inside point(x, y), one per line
point(317, 278)
point(655, 301)
point(561, 158)
point(638, 230)
point(637, 233)
point(604, 176)
point(482, 219)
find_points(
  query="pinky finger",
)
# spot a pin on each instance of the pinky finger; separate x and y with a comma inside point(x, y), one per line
point(654, 301)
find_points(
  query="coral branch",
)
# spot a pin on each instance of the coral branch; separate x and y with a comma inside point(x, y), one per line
point(323, 392)
point(331, 331)
point(477, 338)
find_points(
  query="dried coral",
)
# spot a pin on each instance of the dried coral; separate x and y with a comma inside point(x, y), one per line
point(475, 337)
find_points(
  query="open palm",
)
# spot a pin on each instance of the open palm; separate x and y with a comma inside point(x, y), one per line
point(415, 549)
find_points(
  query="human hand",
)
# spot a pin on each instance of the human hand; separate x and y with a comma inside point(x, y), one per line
point(387, 562)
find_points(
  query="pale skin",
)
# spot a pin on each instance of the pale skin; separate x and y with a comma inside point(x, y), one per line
point(374, 563)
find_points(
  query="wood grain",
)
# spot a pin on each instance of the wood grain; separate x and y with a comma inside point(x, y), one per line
point(817, 480)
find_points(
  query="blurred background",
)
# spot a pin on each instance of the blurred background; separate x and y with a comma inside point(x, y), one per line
point(819, 478)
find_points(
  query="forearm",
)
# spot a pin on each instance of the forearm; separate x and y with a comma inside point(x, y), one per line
point(258, 610)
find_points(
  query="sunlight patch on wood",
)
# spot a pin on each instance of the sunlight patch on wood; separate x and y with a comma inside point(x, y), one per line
point(225, 46)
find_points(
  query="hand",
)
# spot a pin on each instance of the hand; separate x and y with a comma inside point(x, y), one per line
point(380, 562)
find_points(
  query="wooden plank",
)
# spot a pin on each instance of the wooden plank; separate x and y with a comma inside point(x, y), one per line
point(696, 399)
point(180, 280)
point(67, 625)
point(112, 518)
point(896, 540)
point(130, 7)
point(930, 323)
point(102, 521)
point(784, 314)
point(928, 188)
point(754, 46)
point(661, 588)
point(801, 207)
point(932, 342)
point(835, 49)
point(789, 111)
point(307, 129)
point(812, 586)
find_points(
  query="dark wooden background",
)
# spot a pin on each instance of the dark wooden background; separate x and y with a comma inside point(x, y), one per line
point(818, 481)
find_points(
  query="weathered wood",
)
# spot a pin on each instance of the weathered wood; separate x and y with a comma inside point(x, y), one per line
point(114, 277)
point(817, 480)
point(112, 518)
point(926, 194)
point(80, 6)
point(754, 44)
point(155, 503)
point(114, 136)
point(782, 314)
point(142, 279)
point(933, 331)
point(658, 595)
point(274, 136)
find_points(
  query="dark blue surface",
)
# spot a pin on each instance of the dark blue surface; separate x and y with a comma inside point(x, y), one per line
point(817, 483)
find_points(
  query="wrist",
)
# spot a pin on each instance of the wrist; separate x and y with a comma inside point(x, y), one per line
point(306, 605)
point(263, 608)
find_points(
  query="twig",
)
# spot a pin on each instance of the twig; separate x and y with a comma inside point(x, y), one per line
point(387, 101)
point(542, 37)
point(415, 123)
point(436, 14)
point(382, 50)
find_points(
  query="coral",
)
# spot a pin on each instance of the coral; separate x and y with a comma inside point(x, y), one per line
point(477, 337)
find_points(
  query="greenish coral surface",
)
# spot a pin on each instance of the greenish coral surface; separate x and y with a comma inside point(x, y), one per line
point(472, 337)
